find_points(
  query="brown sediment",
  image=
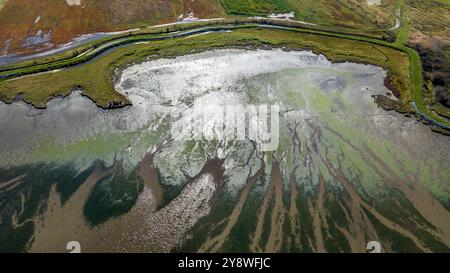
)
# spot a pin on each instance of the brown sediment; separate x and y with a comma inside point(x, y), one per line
point(293, 212)
point(315, 208)
point(357, 205)
point(425, 203)
point(151, 179)
point(274, 190)
point(355, 243)
point(316, 212)
point(164, 229)
point(255, 244)
point(143, 229)
point(278, 212)
point(59, 225)
point(215, 168)
point(12, 183)
point(214, 244)
point(358, 224)
point(361, 228)
point(294, 215)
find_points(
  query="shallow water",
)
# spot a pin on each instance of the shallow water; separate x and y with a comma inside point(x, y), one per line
point(331, 131)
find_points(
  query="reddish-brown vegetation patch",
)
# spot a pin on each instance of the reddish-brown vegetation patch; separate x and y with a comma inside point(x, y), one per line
point(20, 19)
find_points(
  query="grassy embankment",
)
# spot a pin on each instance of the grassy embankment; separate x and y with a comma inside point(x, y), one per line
point(430, 28)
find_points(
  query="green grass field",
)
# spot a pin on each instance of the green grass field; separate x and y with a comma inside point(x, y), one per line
point(253, 7)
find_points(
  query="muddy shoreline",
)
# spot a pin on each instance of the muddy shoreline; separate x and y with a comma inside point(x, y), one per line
point(112, 104)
